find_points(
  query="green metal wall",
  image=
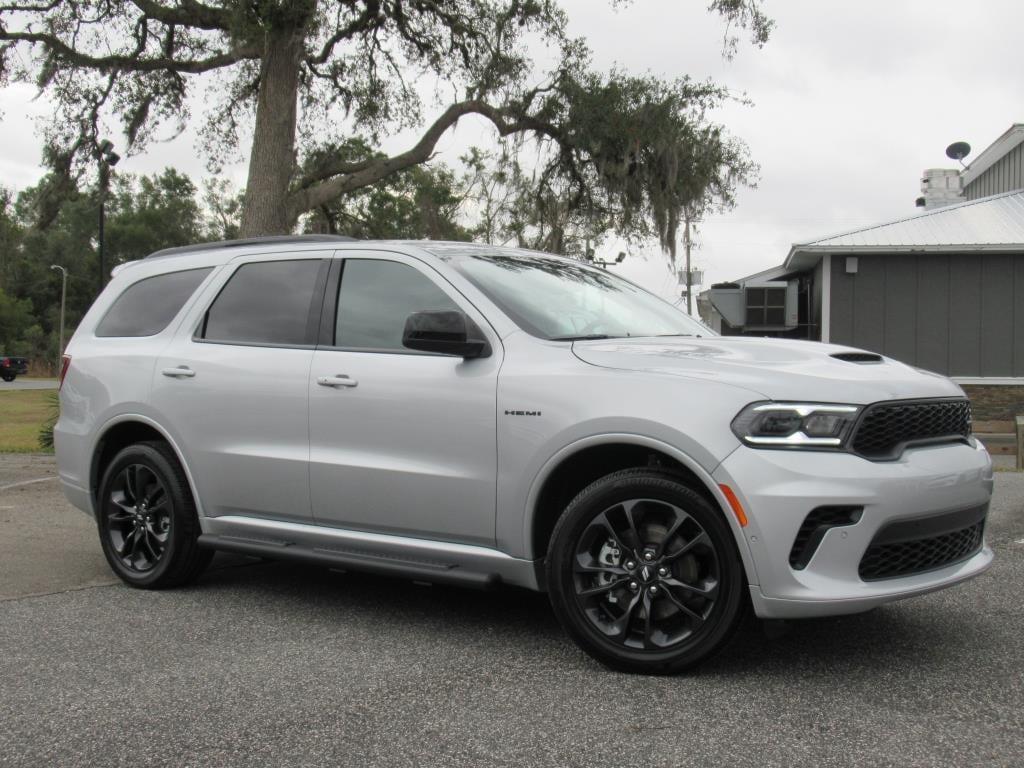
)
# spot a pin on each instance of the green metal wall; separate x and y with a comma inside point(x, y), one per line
point(957, 314)
point(1006, 175)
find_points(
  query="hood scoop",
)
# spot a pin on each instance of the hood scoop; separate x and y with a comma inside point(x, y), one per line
point(863, 358)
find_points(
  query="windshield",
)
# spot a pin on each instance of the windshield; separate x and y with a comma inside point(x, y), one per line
point(562, 300)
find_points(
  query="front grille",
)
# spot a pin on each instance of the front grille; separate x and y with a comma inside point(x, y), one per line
point(886, 428)
point(904, 558)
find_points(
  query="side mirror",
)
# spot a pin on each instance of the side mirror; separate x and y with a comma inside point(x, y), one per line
point(445, 332)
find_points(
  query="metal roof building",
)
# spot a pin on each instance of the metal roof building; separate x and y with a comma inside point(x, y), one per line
point(942, 289)
point(999, 167)
point(994, 223)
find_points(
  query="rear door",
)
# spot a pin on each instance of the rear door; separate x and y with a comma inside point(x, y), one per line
point(408, 446)
point(233, 386)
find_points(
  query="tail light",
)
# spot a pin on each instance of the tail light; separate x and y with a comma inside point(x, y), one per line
point(65, 361)
point(5, 363)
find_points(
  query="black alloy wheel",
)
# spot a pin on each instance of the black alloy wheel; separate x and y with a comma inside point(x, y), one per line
point(657, 589)
point(147, 520)
point(644, 574)
point(138, 517)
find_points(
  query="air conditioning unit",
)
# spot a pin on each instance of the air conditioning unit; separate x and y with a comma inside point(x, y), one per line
point(758, 307)
point(771, 306)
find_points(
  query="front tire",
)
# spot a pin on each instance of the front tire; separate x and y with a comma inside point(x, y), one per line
point(147, 520)
point(643, 573)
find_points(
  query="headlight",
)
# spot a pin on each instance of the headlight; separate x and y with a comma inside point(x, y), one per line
point(813, 426)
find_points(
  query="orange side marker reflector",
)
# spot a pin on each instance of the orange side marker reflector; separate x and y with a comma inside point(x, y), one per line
point(737, 508)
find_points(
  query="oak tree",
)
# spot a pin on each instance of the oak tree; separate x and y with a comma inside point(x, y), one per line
point(307, 75)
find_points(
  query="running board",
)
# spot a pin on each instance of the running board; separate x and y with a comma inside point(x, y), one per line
point(402, 556)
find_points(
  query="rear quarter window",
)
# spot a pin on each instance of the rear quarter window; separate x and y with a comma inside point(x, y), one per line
point(146, 307)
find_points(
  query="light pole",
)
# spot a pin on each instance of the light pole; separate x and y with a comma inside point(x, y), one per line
point(107, 158)
point(63, 300)
point(689, 275)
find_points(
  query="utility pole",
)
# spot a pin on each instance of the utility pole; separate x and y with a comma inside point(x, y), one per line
point(106, 158)
point(63, 301)
point(104, 181)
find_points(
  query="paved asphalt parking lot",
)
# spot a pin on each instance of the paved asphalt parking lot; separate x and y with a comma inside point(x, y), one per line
point(22, 383)
point(277, 665)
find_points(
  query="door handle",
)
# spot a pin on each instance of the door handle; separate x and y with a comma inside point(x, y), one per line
point(341, 380)
point(181, 372)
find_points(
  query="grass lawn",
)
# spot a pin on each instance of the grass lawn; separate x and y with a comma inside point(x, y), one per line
point(22, 415)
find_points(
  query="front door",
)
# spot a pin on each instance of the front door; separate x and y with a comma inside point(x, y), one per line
point(405, 443)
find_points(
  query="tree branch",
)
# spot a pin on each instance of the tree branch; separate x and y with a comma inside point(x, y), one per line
point(30, 7)
point(368, 19)
point(189, 13)
point(336, 168)
point(316, 194)
point(129, 63)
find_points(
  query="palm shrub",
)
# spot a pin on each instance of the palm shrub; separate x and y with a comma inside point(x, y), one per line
point(46, 433)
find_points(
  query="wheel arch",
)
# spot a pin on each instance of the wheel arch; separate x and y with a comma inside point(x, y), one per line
point(578, 464)
point(122, 431)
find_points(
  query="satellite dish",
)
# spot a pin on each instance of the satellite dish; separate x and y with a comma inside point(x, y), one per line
point(958, 150)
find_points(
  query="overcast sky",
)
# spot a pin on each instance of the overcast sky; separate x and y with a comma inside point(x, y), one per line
point(852, 100)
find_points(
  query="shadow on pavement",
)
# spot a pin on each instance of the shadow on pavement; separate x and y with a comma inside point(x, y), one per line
point(909, 633)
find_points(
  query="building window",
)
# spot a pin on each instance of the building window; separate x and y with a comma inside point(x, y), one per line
point(766, 306)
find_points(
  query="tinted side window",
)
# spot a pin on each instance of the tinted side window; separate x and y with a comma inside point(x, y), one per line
point(146, 307)
point(376, 297)
point(265, 302)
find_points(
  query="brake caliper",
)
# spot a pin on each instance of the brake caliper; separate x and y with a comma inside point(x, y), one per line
point(610, 554)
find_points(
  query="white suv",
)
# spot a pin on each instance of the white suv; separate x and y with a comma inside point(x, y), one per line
point(481, 415)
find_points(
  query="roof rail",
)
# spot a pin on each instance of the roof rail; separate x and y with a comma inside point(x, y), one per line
point(265, 240)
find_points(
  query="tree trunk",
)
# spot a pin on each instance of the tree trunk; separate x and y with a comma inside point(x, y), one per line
point(272, 160)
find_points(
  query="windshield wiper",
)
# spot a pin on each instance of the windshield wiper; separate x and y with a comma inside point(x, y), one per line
point(687, 335)
point(585, 337)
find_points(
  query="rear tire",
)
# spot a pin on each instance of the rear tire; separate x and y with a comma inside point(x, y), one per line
point(147, 520)
point(644, 574)
point(8, 377)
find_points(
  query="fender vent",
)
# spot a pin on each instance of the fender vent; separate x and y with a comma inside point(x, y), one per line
point(814, 528)
point(864, 358)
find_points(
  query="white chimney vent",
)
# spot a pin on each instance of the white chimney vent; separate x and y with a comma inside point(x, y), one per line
point(941, 186)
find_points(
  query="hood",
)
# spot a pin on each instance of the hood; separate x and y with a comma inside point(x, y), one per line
point(778, 369)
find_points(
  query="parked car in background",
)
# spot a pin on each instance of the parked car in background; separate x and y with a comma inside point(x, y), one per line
point(479, 415)
point(11, 367)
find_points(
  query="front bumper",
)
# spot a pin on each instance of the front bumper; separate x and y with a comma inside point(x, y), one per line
point(779, 488)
